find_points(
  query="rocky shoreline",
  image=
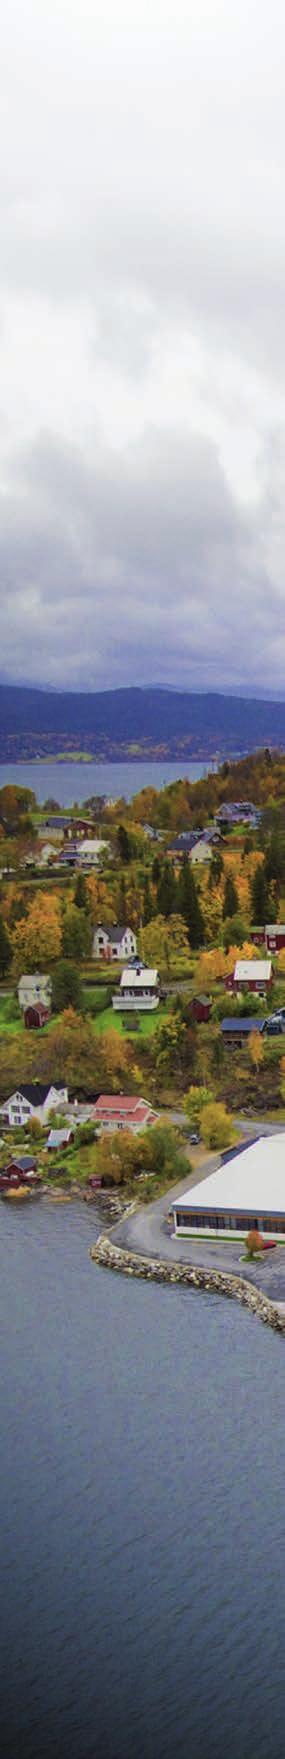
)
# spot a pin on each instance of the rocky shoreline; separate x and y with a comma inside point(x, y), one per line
point(216, 1282)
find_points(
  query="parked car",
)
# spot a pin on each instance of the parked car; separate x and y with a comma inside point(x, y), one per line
point(194, 1138)
point(275, 1025)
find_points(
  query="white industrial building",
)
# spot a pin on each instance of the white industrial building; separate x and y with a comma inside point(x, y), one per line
point(247, 1192)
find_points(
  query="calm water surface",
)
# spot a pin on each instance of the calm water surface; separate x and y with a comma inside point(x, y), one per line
point(77, 781)
point(142, 1508)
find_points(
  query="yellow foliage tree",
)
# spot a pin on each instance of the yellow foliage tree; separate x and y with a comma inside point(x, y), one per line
point(116, 1053)
point(37, 937)
point(216, 1126)
point(256, 1049)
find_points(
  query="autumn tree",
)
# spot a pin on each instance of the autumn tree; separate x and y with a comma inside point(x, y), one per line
point(163, 943)
point(71, 1047)
point(37, 938)
point(216, 1126)
point(254, 1243)
point(116, 1056)
point(194, 1101)
point(168, 1042)
point(255, 1049)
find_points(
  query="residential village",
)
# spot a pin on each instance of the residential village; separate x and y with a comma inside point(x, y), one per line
point(142, 980)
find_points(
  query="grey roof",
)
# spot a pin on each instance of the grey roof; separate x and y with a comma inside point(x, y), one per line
point(116, 932)
point(26, 1162)
point(35, 1092)
point(186, 840)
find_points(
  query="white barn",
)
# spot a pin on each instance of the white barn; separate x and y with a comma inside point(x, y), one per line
point(247, 1192)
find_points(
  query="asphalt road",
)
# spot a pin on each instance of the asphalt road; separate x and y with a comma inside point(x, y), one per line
point(148, 1231)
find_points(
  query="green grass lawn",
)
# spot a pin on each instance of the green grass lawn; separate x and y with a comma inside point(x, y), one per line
point(6, 1024)
point(147, 1025)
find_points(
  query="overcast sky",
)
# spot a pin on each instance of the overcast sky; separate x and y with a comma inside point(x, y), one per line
point(142, 343)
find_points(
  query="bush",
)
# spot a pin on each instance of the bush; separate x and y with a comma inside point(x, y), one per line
point(84, 1134)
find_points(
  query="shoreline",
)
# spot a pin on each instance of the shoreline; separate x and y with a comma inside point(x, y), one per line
point(116, 1258)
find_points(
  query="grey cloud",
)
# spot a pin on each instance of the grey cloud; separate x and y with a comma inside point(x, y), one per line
point(138, 566)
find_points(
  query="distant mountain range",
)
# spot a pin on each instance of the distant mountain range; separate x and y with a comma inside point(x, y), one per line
point(132, 723)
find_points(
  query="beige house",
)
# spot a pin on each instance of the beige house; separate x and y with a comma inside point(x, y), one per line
point(33, 989)
point(201, 853)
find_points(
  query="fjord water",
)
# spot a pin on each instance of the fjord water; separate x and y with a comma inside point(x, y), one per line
point(67, 782)
point(142, 1510)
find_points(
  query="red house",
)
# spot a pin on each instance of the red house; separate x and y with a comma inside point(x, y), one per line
point(253, 974)
point(120, 1111)
point(275, 937)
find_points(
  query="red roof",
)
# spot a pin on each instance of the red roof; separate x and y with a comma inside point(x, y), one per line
point(122, 1105)
point(120, 1102)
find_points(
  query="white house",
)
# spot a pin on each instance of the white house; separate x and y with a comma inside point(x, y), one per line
point(33, 1100)
point(90, 850)
point(35, 988)
point(114, 943)
point(138, 991)
point(247, 1192)
point(202, 853)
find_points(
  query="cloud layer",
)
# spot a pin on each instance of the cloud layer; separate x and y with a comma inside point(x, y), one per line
point(142, 344)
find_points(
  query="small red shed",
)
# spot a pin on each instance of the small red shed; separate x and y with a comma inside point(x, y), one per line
point(36, 1016)
point(201, 1008)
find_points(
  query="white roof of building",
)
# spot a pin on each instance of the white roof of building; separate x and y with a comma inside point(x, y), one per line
point(253, 1180)
point(132, 979)
point(256, 969)
point(275, 928)
point(91, 845)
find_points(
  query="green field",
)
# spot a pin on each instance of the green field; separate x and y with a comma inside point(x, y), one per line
point(147, 1024)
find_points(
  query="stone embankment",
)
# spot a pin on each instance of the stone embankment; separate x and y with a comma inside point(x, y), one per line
point(216, 1282)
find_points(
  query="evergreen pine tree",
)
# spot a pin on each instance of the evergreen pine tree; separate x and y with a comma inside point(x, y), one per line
point(167, 891)
point(81, 894)
point(188, 905)
point(147, 901)
point(124, 844)
point(259, 896)
point(230, 904)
